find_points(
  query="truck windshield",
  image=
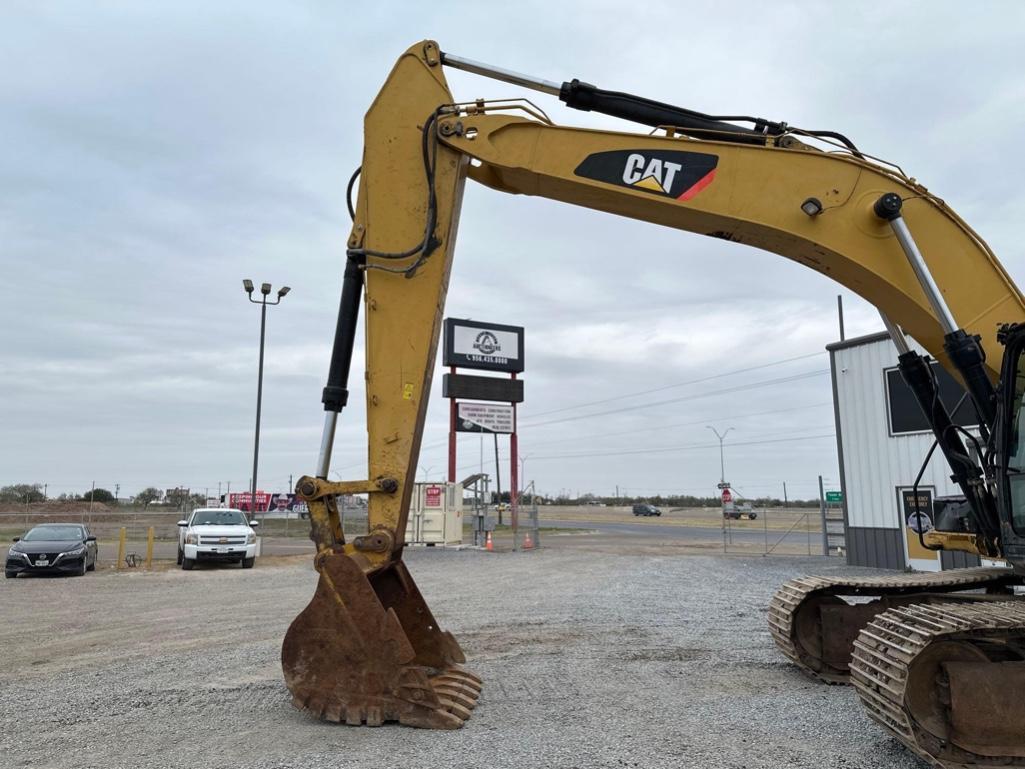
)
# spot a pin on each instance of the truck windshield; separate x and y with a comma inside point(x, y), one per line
point(218, 518)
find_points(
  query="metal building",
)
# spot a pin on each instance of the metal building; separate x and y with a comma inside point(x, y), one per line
point(882, 440)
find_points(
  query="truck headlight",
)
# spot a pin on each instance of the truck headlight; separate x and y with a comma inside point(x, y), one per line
point(192, 538)
point(251, 538)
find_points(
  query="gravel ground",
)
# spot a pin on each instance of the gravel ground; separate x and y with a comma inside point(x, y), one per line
point(590, 659)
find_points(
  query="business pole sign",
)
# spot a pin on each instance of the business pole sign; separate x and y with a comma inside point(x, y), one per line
point(484, 418)
point(483, 346)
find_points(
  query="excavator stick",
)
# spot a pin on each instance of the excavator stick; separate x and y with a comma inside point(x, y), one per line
point(367, 650)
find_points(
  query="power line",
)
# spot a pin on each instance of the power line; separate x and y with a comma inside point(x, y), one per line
point(670, 426)
point(662, 449)
point(679, 384)
point(694, 396)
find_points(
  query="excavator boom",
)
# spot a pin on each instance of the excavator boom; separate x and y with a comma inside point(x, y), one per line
point(367, 649)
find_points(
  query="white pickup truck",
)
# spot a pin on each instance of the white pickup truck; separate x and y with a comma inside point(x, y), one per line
point(216, 534)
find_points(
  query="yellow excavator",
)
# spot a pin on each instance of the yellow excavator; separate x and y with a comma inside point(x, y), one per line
point(938, 660)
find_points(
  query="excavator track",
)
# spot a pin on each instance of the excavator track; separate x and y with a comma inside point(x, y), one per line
point(816, 628)
point(947, 680)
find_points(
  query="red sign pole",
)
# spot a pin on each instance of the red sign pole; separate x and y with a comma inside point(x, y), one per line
point(514, 476)
point(452, 416)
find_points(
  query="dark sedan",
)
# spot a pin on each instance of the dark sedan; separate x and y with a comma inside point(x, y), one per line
point(52, 548)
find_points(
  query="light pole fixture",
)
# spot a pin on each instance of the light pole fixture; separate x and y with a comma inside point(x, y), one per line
point(265, 290)
point(722, 456)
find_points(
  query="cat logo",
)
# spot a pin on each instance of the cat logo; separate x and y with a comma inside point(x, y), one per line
point(679, 175)
point(651, 174)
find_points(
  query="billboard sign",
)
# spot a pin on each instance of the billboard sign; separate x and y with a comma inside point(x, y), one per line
point(268, 503)
point(484, 418)
point(485, 346)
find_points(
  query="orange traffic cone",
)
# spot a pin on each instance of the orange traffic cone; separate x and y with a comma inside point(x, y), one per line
point(528, 543)
point(488, 544)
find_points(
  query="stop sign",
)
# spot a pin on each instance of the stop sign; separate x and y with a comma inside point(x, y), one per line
point(726, 496)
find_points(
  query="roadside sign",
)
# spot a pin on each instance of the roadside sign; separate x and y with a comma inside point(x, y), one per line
point(834, 497)
point(723, 485)
point(484, 418)
point(488, 346)
point(726, 496)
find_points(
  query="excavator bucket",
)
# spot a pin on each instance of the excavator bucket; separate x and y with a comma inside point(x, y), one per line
point(367, 650)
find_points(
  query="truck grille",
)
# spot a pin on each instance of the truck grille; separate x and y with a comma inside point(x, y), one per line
point(222, 540)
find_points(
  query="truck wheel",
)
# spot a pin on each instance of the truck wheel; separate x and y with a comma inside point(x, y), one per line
point(247, 563)
point(181, 556)
point(10, 574)
point(188, 563)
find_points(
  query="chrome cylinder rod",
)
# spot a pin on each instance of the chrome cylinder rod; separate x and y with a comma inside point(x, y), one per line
point(896, 334)
point(888, 207)
point(497, 73)
point(327, 441)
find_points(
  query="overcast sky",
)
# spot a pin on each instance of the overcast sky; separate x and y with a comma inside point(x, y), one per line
point(155, 154)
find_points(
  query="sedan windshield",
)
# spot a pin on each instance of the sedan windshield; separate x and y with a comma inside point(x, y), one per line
point(54, 534)
point(218, 518)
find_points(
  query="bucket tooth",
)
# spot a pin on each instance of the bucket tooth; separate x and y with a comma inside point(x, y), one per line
point(368, 650)
point(454, 695)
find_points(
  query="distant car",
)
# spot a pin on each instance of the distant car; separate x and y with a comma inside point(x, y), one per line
point(52, 548)
point(646, 510)
point(216, 534)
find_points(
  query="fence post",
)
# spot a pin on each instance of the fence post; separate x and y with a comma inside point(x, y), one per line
point(149, 549)
point(822, 514)
point(121, 549)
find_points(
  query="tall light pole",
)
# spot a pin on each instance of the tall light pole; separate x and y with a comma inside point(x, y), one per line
point(265, 289)
point(722, 455)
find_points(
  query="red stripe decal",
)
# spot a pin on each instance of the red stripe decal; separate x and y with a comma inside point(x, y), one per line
point(699, 185)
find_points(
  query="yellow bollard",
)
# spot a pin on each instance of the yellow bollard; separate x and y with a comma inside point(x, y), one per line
point(121, 549)
point(149, 549)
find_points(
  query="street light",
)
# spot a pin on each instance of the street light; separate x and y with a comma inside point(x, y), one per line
point(722, 458)
point(265, 290)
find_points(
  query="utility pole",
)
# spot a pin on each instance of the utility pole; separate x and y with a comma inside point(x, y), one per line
point(786, 502)
point(44, 491)
point(289, 483)
point(265, 289)
point(498, 479)
point(117, 492)
point(822, 514)
point(92, 494)
point(839, 314)
point(722, 454)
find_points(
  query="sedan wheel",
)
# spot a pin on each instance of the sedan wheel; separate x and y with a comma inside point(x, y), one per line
point(10, 574)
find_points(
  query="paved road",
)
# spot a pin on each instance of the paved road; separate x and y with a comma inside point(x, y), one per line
point(648, 528)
